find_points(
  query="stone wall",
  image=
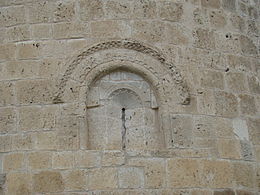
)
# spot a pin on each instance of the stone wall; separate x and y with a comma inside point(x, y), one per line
point(199, 61)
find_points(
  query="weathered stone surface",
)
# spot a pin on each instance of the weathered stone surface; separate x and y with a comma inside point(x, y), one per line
point(229, 5)
point(8, 120)
point(212, 79)
point(216, 174)
point(204, 38)
point(183, 173)
point(63, 160)
point(170, 11)
point(75, 180)
point(229, 149)
point(144, 9)
point(254, 133)
point(244, 175)
point(39, 160)
point(19, 183)
point(48, 181)
point(247, 105)
point(102, 179)
point(210, 3)
point(87, 159)
point(131, 177)
point(14, 162)
point(10, 16)
point(254, 84)
point(247, 45)
point(224, 192)
point(236, 82)
point(113, 158)
point(226, 104)
point(34, 91)
point(91, 10)
point(218, 19)
point(41, 31)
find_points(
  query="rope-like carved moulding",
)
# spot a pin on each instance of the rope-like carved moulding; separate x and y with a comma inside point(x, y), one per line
point(128, 45)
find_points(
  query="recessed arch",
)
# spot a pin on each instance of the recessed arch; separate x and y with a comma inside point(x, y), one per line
point(125, 44)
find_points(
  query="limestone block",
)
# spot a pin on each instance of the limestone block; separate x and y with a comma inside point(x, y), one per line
point(211, 3)
point(41, 31)
point(19, 183)
point(177, 34)
point(131, 177)
point(150, 32)
point(224, 192)
point(254, 133)
point(247, 45)
point(50, 67)
point(244, 175)
point(41, 12)
point(7, 52)
point(247, 105)
point(35, 91)
point(22, 142)
point(182, 173)
point(87, 159)
point(170, 11)
point(7, 96)
point(218, 19)
point(204, 38)
point(109, 28)
point(18, 33)
point(227, 42)
point(181, 127)
point(102, 179)
point(246, 150)
point(252, 28)
point(204, 126)
point(70, 30)
point(245, 192)
point(229, 148)
point(216, 174)
point(226, 104)
point(229, 5)
point(113, 158)
point(5, 143)
point(46, 140)
point(239, 63)
point(75, 180)
point(200, 16)
point(154, 171)
point(12, 15)
point(238, 22)
point(254, 84)
point(39, 160)
point(212, 79)
point(144, 9)
point(8, 120)
point(90, 10)
point(68, 126)
point(206, 101)
point(240, 129)
point(204, 143)
point(236, 82)
point(68, 142)
point(14, 161)
point(63, 160)
point(64, 11)
point(118, 9)
point(201, 192)
point(36, 117)
point(22, 69)
point(48, 181)
point(28, 50)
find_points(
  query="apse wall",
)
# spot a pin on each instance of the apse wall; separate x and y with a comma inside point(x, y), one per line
point(127, 97)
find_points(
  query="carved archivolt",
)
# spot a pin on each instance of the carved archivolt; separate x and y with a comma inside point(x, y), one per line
point(84, 57)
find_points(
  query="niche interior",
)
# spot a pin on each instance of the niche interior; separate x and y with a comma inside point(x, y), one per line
point(122, 113)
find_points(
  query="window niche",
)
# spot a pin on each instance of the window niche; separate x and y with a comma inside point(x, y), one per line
point(122, 114)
